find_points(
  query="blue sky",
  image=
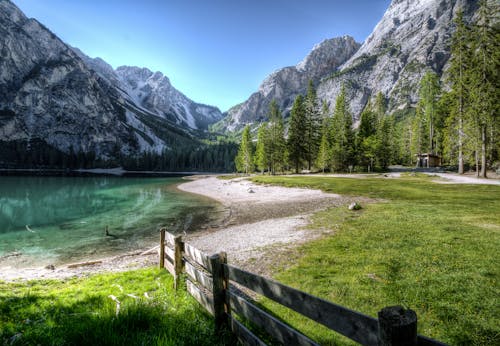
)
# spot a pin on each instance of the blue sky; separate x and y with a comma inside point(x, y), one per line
point(215, 51)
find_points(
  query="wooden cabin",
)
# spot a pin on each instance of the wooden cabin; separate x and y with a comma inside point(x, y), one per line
point(427, 160)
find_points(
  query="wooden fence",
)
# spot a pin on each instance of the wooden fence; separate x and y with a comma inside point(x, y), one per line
point(211, 281)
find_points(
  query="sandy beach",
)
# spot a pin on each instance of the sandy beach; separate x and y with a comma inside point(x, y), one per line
point(261, 220)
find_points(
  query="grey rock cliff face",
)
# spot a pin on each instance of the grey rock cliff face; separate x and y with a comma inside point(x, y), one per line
point(285, 84)
point(54, 93)
point(411, 38)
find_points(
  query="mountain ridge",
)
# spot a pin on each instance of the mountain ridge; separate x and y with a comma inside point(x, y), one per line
point(410, 38)
point(54, 94)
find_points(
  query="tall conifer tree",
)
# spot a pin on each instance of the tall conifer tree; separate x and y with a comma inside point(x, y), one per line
point(460, 62)
point(484, 76)
point(342, 134)
point(296, 144)
point(275, 144)
point(261, 160)
point(324, 150)
point(312, 130)
point(366, 137)
point(244, 160)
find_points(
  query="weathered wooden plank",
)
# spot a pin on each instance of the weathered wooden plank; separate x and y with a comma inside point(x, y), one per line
point(277, 329)
point(178, 263)
point(199, 276)
point(356, 326)
point(205, 301)
point(169, 252)
point(197, 256)
point(170, 238)
point(169, 266)
point(219, 294)
point(425, 341)
point(162, 248)
point(245, 337)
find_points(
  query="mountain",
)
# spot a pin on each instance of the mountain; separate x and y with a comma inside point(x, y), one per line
point(286, 83)
point(154, 92)
point(54, 96)
point(411, 38)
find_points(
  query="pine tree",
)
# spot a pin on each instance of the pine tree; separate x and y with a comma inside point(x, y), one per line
point(323, 156)
point(429, 93)
point(295, 144)
point(484, 76)
point(244, 159)
point(312, 129)
point(457, 76)
point(384, 142)
point(275, 144)
point(365, 137)
point(341, 134)
point(260, 157)
point(427, 123)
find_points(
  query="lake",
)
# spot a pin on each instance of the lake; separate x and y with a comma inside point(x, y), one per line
point(55, 220)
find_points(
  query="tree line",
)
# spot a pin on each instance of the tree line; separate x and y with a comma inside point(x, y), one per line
point(457, 121)
point(213, 156)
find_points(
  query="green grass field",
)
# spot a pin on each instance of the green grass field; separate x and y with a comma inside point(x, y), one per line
point(80, 312)
point(430, 247)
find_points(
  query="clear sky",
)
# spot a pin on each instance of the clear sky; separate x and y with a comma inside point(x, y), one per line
point(214, 51)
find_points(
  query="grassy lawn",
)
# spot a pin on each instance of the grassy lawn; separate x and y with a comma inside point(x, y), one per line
point(80, 312)
point(430, 247)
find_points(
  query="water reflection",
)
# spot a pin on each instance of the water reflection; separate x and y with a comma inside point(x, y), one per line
point(50, 220)
point(39, 201)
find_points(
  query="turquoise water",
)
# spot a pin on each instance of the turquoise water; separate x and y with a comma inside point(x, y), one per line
point(54, 220)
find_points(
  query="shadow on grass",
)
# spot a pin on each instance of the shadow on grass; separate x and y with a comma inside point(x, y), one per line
point(44, 320)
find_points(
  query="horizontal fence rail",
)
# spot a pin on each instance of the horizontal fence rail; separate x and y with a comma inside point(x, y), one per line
point(274, 327)
point(354, 325)
point(209, 278)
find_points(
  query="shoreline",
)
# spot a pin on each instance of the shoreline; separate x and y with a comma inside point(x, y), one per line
point(257, 223)
point(260, 216)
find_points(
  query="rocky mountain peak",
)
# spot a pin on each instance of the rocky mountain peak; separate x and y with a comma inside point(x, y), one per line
point(327, 54)
point(285, 84)
point(411, 38)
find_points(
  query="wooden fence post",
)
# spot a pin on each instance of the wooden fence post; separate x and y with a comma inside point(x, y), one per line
point(162, 248)
point(225, 283)
point(178, 249)
point(216, 262)
point(397, 327)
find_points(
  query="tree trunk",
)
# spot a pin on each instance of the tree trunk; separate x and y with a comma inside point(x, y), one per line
point(460, 147)
point(477, 163)
point(483, 152)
